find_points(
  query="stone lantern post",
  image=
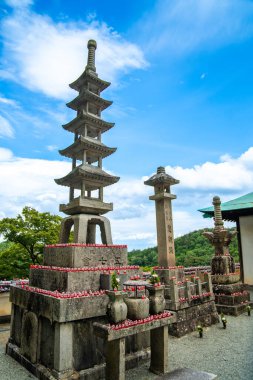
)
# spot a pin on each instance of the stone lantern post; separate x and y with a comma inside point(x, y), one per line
point(162, 197)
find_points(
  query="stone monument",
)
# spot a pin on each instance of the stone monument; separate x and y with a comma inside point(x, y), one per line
point(192, 299)
point(164, 224)
point(231, 296)
point(60, 324)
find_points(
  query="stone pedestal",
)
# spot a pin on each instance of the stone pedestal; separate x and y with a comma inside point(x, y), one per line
point(231, 299)
point(85, 229)
point(222, 264)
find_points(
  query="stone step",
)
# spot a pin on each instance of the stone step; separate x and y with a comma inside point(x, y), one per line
point(74, 281)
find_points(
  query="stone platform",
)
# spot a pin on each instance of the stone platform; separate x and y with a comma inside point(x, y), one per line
point(52, 330)
point(231, 299)
point(83, 255)
point(188, 318)
point(74, 279)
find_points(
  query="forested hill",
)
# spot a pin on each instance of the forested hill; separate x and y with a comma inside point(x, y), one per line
point(192, 249)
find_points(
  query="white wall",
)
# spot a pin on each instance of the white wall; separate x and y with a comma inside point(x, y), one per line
point(246, 226)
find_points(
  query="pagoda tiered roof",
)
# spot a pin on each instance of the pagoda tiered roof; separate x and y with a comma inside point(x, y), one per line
point(94, 149)
point(93, 176)
point(94, 123)
point(89, 77)
point(88, 96)
point(87, 147)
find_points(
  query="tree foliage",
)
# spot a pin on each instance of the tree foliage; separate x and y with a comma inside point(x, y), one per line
point(145, 257)
point(192, 249)
point(30, 231)
point(14, 261)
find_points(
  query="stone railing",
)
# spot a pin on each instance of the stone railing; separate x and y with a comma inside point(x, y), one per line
point(204, 268)
point(190, 291)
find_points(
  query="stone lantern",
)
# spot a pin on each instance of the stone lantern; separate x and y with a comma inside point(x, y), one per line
point(163, 197)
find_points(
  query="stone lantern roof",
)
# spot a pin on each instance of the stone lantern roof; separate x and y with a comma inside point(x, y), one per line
point(161, 178)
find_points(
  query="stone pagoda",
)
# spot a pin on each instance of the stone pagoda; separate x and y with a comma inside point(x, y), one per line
point(231, 296)
point(191, 298)
point(88, 178)
point(71, 322)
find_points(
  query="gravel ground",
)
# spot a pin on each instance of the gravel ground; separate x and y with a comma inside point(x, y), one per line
point(226, 353)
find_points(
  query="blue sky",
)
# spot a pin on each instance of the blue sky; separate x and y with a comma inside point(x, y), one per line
point(181, 73)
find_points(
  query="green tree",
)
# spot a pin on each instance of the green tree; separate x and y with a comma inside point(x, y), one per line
point(14, 262)
point(145, 257)
point(30, 231)
point(192, 249)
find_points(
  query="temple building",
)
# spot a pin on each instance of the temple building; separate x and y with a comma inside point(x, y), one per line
point(87, 179)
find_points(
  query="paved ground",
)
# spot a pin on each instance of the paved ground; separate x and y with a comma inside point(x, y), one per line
point(226, 353)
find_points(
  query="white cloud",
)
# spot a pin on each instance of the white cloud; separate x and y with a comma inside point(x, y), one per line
point(230, 173)
point(46, 56)
point(5, 154)
point(9, 102)
point(181, 26)
point(26, 181)
point(51, 148)
point(19, 3)
point(6, 129)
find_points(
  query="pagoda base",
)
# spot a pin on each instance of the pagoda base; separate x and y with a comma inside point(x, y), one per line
point(230, 278)
point(97, 372)
point(52, 323)
point(86, 206)
point(82, 255)
point(231, 299)
point(85, 229)
point(234, 310)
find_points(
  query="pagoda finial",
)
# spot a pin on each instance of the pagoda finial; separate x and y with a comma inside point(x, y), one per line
point(92, 45)
point(218, 222)
point(160, 169)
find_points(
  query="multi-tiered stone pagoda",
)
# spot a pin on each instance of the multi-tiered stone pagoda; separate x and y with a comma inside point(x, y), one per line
point(88, 178)
point(61, 322)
